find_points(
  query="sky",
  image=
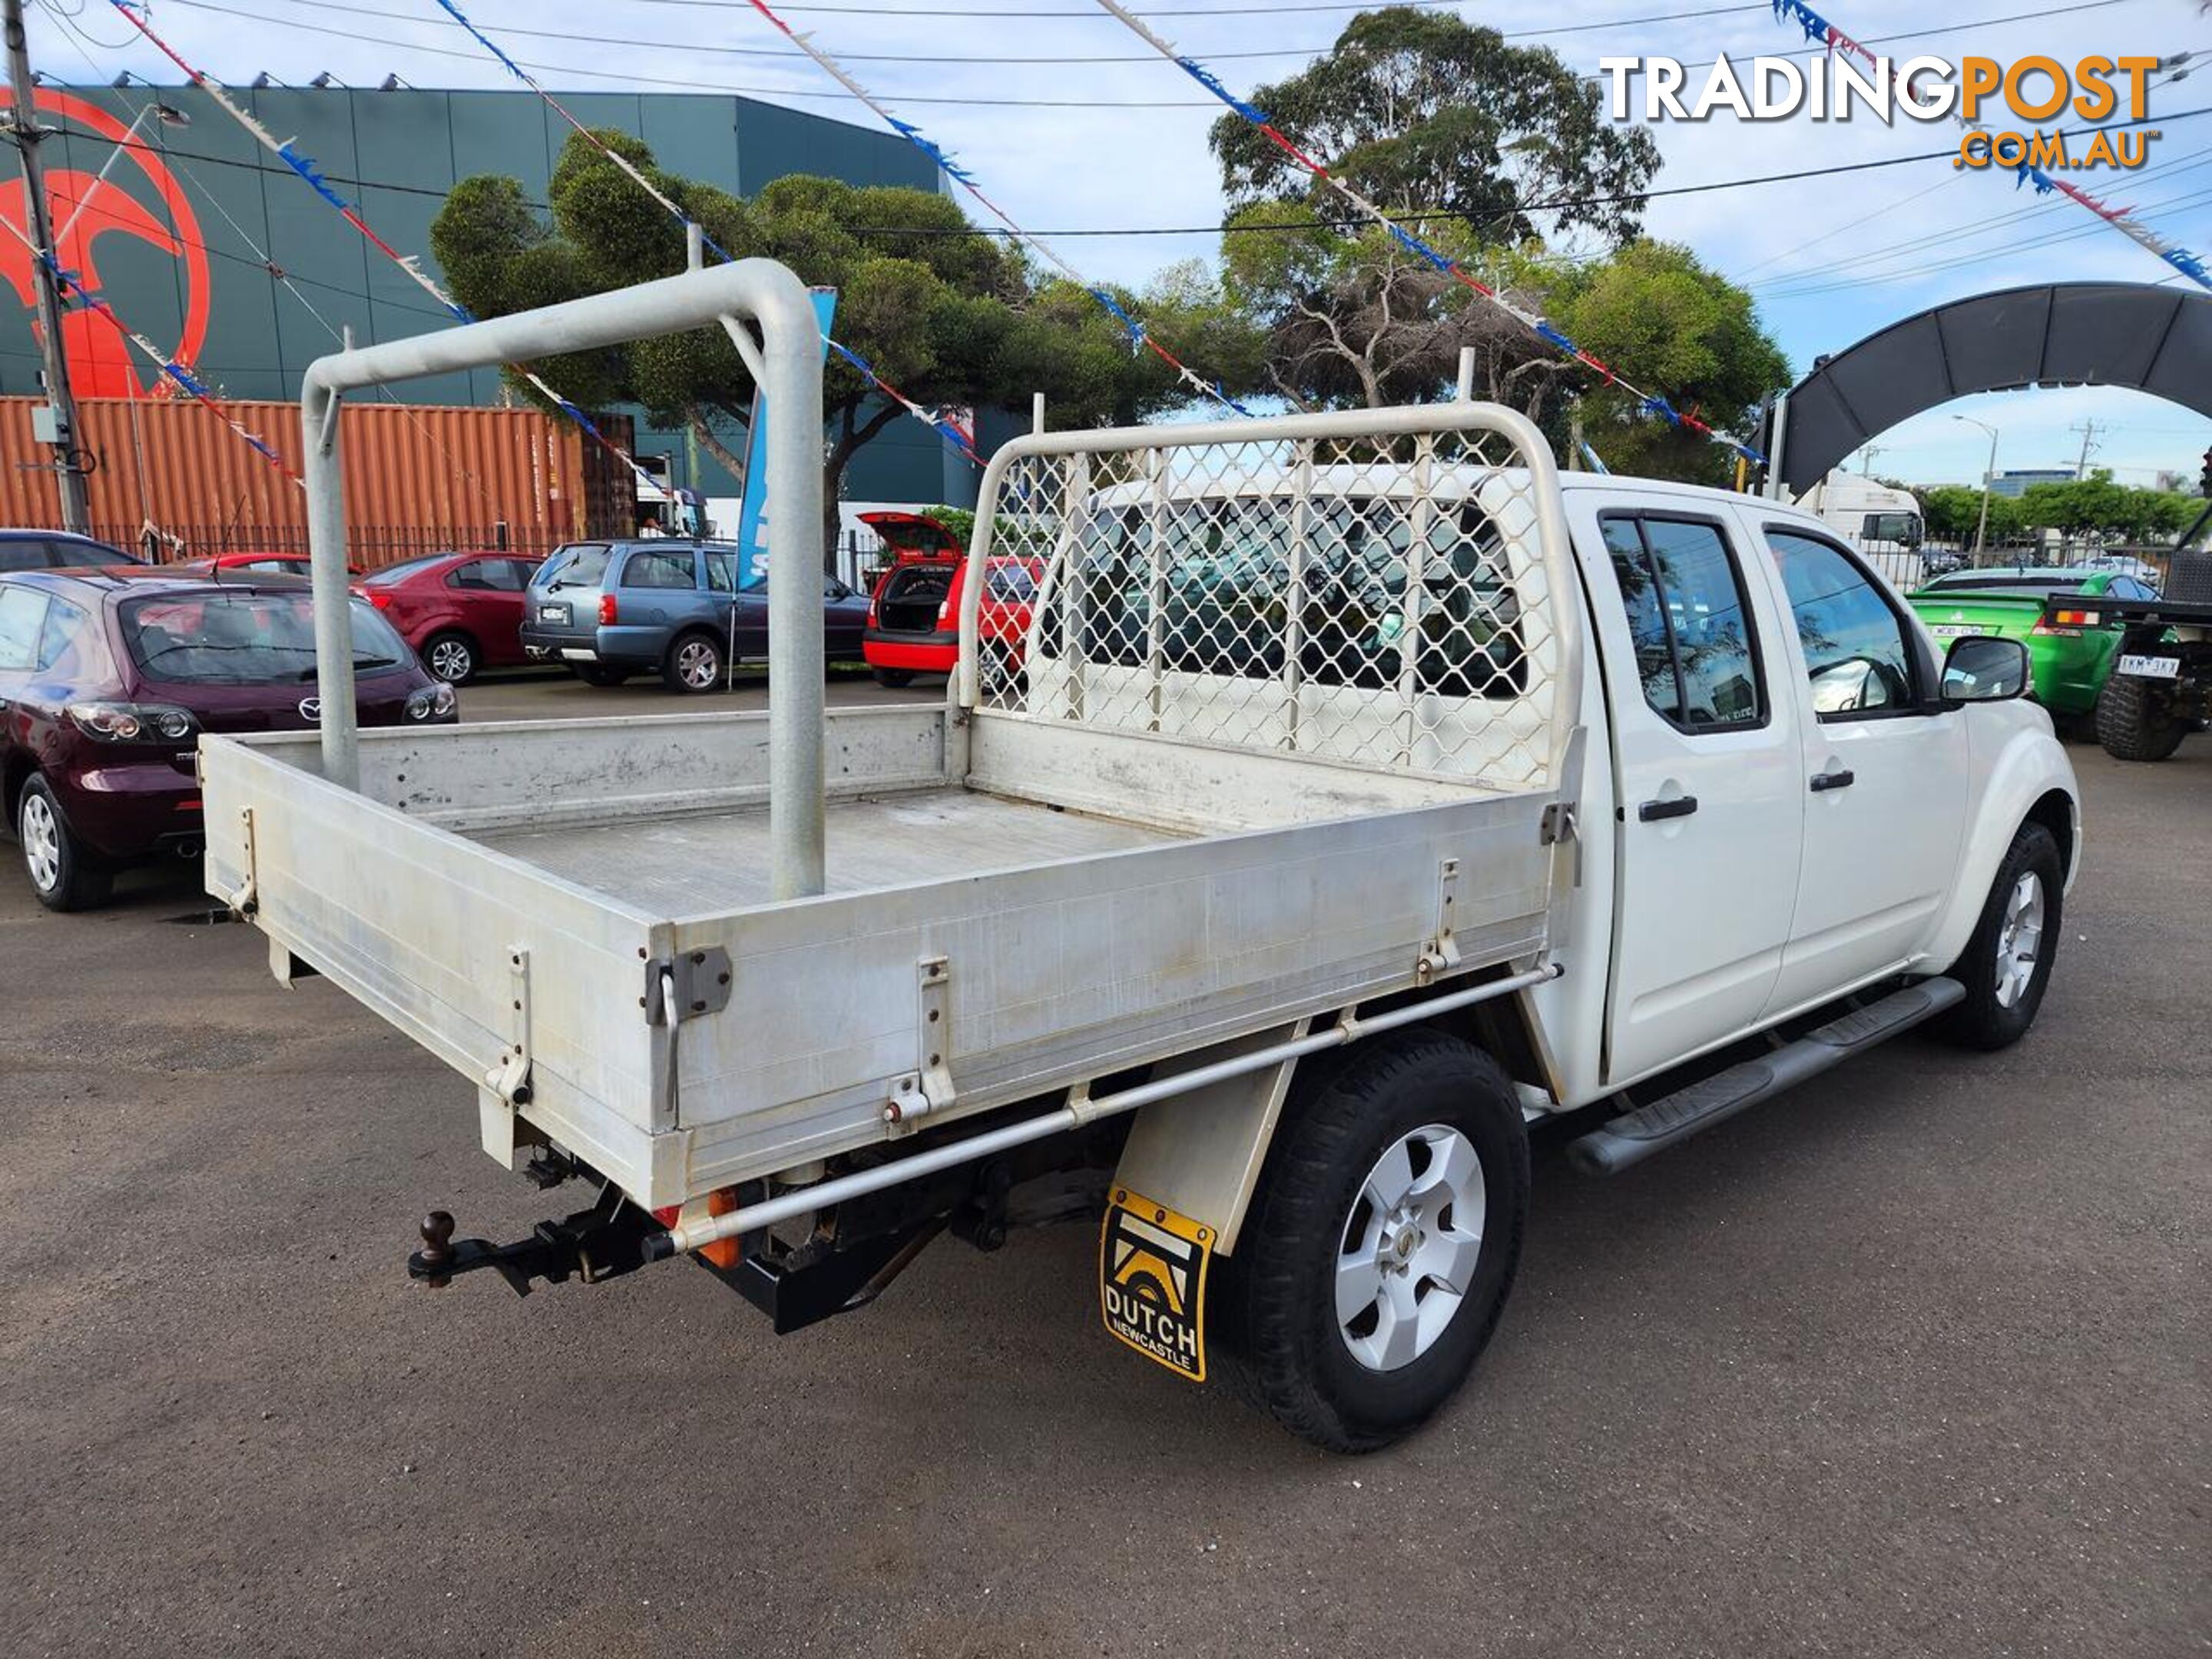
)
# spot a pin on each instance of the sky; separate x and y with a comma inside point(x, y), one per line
point(1093, 132)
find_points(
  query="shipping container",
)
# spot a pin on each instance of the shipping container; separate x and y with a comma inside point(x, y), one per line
point(170, 480)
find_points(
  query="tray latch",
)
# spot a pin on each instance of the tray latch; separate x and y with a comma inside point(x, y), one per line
point(245, 899)
point(510, 1079)
point(1440, 952)
point(928, 1088)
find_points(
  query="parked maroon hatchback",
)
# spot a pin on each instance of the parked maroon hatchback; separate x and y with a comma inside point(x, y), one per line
point(108, 677)
point(461, 611)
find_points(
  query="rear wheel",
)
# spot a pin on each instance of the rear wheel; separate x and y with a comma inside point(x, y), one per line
point(2007, 962)
point(1379, 1250)
point(2132, 725)
point(593, 674)
point(451, 657)
point(64, 874)
point(694, 664)
point(894, 679)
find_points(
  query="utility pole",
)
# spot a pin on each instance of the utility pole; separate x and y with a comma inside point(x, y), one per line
point(37, 221)
point(1989, 477)
point(2089, 431)
point(1866, 459)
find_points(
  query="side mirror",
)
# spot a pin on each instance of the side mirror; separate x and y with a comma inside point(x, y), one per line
point(1982, 668)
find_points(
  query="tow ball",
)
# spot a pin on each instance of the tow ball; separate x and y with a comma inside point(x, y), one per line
point(602, 1243)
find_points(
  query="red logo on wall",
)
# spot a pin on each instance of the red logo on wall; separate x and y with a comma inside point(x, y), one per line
point(101, 362)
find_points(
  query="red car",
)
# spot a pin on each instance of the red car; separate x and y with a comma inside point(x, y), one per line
point(259, 564)
point(461, 611)
point(108, 677)
point(914, 620)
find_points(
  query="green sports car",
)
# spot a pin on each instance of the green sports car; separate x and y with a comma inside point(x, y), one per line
point(2069, 663)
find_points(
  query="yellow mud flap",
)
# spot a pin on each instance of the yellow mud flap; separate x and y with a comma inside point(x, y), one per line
point(1152, 1282)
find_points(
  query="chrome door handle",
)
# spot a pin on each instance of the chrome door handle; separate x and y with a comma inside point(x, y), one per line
point(1827, 780)
point(1680, 807)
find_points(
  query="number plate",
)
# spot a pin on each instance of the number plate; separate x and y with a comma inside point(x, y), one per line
point(1152, 1282)
point(2151, 668)
point(558, 613)
point(1951, 630)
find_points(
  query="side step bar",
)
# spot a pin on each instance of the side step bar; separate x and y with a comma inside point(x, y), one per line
point(1634, 1136)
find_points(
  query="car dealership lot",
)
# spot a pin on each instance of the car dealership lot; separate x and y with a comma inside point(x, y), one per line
point(1916, 1359)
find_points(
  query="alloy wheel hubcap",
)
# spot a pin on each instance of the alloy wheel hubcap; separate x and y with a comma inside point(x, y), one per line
point(2020, 939)
point(449, 660)
point(694, 663)
point(1407, 1253)
point(42, 843)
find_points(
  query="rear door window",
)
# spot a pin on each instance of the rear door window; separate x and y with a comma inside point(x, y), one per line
point(658, 568)
point(1688, 620)
point(22, 616)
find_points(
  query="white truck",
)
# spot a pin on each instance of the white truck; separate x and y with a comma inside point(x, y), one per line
point(1365, 795)
point(1881, 523)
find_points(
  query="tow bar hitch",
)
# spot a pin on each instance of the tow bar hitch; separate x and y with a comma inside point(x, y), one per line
point(601, 1242)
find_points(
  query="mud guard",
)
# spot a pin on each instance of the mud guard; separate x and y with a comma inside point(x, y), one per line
point(1200, 1154)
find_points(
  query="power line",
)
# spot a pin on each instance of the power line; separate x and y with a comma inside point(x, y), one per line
point(1952, 233)
point(693, 47)
point(1937, 267)
point(688, 85)
point(1286, 227)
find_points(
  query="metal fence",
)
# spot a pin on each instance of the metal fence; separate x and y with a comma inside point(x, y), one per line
point(1375, 591)
point(369, 546)
point(1907, 568)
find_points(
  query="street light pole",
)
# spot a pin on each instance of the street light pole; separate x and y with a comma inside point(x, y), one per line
point(1988, 476)
point(75, 513)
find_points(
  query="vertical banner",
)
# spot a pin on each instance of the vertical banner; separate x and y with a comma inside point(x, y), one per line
point(752, 549)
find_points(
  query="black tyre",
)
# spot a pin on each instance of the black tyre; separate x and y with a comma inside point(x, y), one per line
point(66, 874)
point(593, 673)
point(1379, 1249)
point(999, 675)
point(451, 657)
point(2132, 725)
point(694, 664)
point(2007, 962)
point(894, 679)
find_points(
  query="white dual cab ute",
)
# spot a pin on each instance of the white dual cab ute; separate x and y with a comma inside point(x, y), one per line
point(1365, 795)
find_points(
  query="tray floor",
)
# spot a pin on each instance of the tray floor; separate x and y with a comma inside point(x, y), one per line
point(719, 861)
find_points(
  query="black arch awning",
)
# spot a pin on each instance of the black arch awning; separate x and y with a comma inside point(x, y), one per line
point(2138, 335)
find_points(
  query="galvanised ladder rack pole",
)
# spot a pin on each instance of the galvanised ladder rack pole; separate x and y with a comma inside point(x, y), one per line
point(786, 361)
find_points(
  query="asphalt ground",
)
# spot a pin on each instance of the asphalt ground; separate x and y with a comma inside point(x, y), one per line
point(1916, 1360)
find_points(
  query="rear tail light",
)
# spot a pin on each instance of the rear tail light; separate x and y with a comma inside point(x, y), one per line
point(2065, 625)
point(132, 722)
point(376, 596)
point(433, 702)
point(944, 611)
point(607, 610)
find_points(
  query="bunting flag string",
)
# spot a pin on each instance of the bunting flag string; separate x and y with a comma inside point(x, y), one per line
point(176, 372)
point(306, 169)
point(1140, 337)
point(1819, 30)
point(931, 418)
point(1650, 403)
